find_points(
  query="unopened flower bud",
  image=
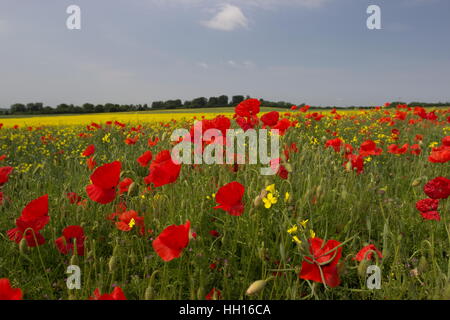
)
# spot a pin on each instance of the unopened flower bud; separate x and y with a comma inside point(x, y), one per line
point(112, 264)
point(256, 287)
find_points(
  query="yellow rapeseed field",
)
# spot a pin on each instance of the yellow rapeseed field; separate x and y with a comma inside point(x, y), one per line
point(125, 117)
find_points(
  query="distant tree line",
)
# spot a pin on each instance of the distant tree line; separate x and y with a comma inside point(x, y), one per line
point(201, 102)
point(63, 108)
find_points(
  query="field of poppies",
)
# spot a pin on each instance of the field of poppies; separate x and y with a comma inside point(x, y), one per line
point(353, 189)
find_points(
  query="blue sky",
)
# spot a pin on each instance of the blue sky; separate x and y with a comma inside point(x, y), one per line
point(318, 52)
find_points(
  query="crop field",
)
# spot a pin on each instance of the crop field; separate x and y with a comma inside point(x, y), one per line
point(99, 198)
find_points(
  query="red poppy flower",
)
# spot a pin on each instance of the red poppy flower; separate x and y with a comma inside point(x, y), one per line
point(71, 236)
point(248, 108)
point(214, 233)
point(431, 215)
point(426, 205)
point(7, 292)
point(395, 149)
point(104, 183)
point(229, 198)
point(152, 143)
point(369, 148)
point(119, 124)
point(91, 163)
point(415, 149)
point(438, 188)
point(73, 197)
point(131, 141)
point(440, 155)
point(4, 174)
point(367, 253)
point(356, 161)
point(282, 126)
point(213, 293)
point(171, 242)
point(3, 157)
point(116, 294)
point(89, 151)
point(325, 259)
point(128, 220)
point(124, 185)
point(446, 141)
point(163, 170)
point(247, 123)
point(336, 144)
point(145, 158)
point(34, 218)
point(304, 108)
point(270, 119)
point(282, 172)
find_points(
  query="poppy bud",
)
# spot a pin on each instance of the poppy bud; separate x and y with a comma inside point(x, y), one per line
point(362, 268)
point(132, 190)
point(23, 246)
point(256, 287)
point(262, 253)
point(112, 264)
point(149, 293)
point(257, 201)
point(133, 257)
point(200, 293)
point(423, 265)
point(415, 183)
point(263, 193)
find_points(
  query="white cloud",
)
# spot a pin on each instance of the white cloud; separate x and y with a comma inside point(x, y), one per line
point(248, 64)
point(228, 18)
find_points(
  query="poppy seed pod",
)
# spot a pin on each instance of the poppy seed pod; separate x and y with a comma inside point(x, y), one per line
point(23, 247)
point(256, 287)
